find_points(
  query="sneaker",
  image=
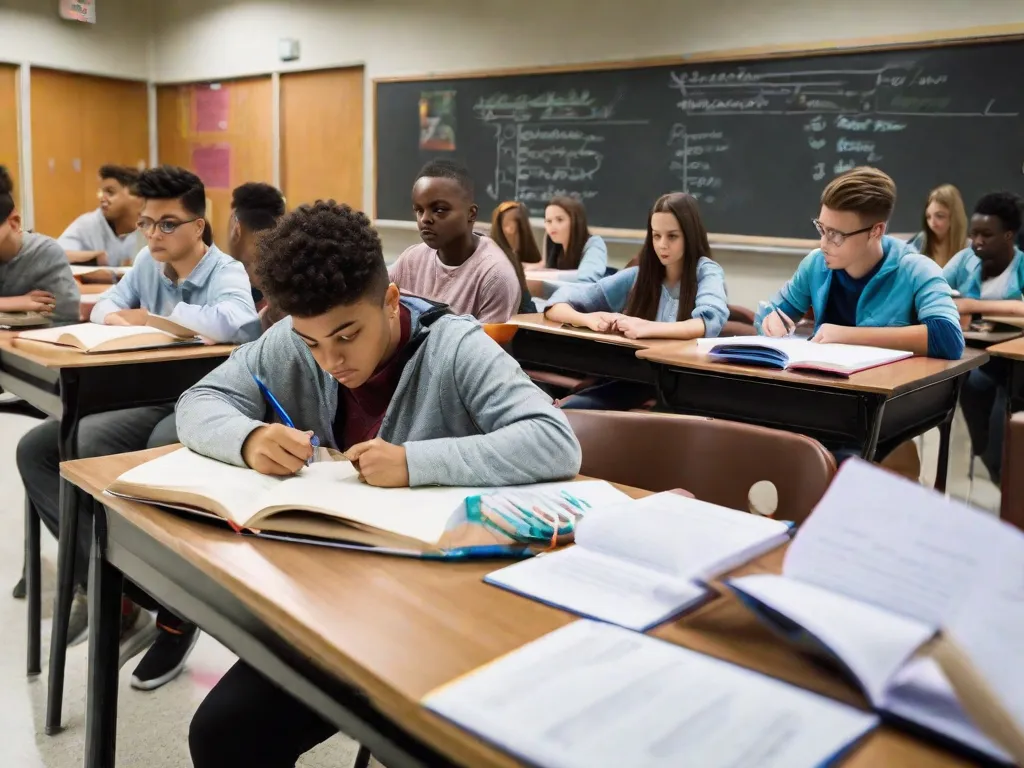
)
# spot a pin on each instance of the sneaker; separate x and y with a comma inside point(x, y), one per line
point(165, 660)
point(138, 631)
point(78, 622)
point(19, 590)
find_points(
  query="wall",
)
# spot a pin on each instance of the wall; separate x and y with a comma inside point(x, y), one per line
point(117, 45)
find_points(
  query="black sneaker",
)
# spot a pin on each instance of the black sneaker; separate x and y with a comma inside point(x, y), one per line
point(19, 590)
point(165, 659)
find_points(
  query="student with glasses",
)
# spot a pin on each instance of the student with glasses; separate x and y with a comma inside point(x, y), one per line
point(866, 287)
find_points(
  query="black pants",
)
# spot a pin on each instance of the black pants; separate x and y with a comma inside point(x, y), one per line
point(249, 722)
point(983, 400)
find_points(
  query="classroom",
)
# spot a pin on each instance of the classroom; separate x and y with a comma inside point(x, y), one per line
point(414, 371)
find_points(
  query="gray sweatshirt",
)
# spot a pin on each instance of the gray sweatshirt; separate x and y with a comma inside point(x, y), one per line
point(41, 265)
point(464, 410)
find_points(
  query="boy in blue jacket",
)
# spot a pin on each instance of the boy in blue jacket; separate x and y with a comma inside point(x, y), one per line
point(414, 395)
point(990, 278)
point(864, 286)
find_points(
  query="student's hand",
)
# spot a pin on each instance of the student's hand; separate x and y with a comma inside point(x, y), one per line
point(101, 259)
point(831, 334)
point(772, 325)
point(127, 317)
point(33, 301)
point(275, 449)
point(635, 327)
point(380, 463)
point(602, 322)
point(965, 321)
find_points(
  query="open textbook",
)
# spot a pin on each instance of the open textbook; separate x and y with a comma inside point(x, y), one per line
point(871, 576)
point(592, 695)
point(795, 354)
point(326, 503)
point(83, 270)
point(639, 562)
point(95, 338)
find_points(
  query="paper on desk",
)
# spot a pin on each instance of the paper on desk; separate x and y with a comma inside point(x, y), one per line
point(591, 695)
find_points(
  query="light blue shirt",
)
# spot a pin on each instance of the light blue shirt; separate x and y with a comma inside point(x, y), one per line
point(92, 232)
point(593, 262)
point(907, 290)
point(964, 274)
point(215, 300)
point(611, 294)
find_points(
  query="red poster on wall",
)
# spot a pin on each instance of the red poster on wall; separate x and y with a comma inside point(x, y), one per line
point(212, 164)
point(211, 106)
point(78, 10)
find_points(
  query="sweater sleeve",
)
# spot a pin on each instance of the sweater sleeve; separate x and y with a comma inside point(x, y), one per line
point(229, 315)
point(945, 338)
point(711, 303)
point(594, 262)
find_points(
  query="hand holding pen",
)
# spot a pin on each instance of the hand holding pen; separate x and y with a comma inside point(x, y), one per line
point(776, 323)
point(278, 449)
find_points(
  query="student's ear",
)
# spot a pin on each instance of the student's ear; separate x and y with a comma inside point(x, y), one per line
point(15, 221)
point(472, 213)
point(391, 298)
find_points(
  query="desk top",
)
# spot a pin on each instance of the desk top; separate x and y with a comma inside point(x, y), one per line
point(537, 322)
point(56, 357)
point(1014, 350)
point(355, 614)
point(892, 379)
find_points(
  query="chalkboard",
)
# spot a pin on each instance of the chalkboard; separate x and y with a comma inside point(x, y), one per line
point(755, 141)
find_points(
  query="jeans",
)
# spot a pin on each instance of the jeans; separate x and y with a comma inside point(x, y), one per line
point(983, 400)
point(610, 396)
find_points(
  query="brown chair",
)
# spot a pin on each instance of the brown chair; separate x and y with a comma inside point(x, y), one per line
point(717, 461)
point(740, 322)
point(1012, 506)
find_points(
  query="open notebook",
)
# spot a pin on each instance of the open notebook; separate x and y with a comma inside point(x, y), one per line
point(639, 562)
point(82, 270)
point(798, 354)
point(93, 337)
point(327, 504)
point(592, 695)
point(874, 572)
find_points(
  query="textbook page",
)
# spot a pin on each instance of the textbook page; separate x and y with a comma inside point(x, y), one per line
point(591, 695)
point(91, 334)
point(846, 356)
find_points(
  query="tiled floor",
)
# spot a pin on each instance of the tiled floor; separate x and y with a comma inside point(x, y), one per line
point(153, 727)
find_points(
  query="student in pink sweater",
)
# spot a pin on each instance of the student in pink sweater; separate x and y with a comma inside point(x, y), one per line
point(468, 272)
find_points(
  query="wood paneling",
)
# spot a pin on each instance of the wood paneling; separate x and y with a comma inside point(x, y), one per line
point(248, 136)
point(9, 146)
point(322, 136)
point(79, 123)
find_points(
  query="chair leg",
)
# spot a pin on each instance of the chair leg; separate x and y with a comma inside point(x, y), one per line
point(33, 587)
point(66, 547)
point(362, 758)
point(970, 478)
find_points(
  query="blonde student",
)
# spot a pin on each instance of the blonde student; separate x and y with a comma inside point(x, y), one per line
point(864, 286)
point(944, 230)
point(675, 292)
point(568, 244)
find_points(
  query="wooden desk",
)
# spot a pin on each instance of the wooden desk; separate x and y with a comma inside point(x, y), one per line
point(1013, 351)
point(985, 339)
point(361, 638)
point(871, 412)
point(69, 385)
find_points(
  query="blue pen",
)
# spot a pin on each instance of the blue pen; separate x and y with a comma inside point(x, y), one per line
point(283, 415)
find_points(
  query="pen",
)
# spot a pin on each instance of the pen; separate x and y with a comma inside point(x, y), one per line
point(783, 318)
point(283, 414)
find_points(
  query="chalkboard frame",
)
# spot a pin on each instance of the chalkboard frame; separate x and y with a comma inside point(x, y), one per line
point(993, 33)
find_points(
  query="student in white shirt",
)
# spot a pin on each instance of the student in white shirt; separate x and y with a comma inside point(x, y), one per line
point(107, 236)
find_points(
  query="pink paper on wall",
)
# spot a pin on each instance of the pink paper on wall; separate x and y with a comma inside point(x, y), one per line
point(211, 105)
point(212, 164)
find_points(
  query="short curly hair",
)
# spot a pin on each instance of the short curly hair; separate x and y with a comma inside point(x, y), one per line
point(319, 257)
point(122, 174)
point(169, 182)
point(1005, 206)
point(257, 206)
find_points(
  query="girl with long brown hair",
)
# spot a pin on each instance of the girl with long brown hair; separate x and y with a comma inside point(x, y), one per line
point(944, 230)
point(568, 244)
point(675, 292)
point(510, 229)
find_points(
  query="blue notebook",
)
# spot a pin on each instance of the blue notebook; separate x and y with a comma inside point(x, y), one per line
point(798, 354)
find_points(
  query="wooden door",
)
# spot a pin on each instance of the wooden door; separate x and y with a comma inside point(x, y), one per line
point(322, 136)
point(79, 123)
point(223, 132)
point(9, 145)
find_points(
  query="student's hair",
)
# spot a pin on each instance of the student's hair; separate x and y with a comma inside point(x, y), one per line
point(557, 256)
point(1005, 206)
point(169, 182)
point(949, 198)
point(449, 169)
point(122, 174)
point(528, 253)
point(865, 190)
point(646, 293)
point(319, 257)
point(6, 194)
point(257, 206)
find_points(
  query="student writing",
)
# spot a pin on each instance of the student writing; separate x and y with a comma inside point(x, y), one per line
point(34, 273)
point(454, 265)
point(675, 292)
point(416, 395)
point(568, 243)
point(108, 235)
point(945, 225)
point(864, 286)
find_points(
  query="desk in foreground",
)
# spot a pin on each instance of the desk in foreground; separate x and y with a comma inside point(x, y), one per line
point(362, 637)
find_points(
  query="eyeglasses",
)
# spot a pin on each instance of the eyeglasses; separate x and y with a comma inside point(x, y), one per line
point(836, 237)
point(166, 226)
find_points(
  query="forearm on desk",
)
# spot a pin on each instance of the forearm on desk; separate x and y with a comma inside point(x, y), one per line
point(983, 307)
point(681, 329)
point(80, 257)
point(911, 338)
point(564, 313)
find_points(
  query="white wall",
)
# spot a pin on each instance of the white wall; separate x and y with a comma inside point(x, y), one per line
point(117, 45)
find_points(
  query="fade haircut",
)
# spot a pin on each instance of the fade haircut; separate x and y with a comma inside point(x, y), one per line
point(257, 206)
point(122, 174)
point(169, 182)
point(865, 190)
point(449, 169)
point(1005, 206)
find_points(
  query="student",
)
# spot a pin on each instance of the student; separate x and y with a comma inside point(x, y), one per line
point(512, 231)
point(255, 208)
point(675, 292)
point(945, 225)
point(568, 243)
point(34, 274)
point(219, 307)
point(864, 286)
point(990, 278)
point(107, 236)
point(454, 265)
point(415, 395)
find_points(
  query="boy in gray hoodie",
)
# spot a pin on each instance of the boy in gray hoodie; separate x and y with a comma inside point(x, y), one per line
point(414, 395)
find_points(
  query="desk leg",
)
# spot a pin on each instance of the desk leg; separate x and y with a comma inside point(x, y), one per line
point(942, 467)
point(874, 407)
point(105, 584)
point(33, 587)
